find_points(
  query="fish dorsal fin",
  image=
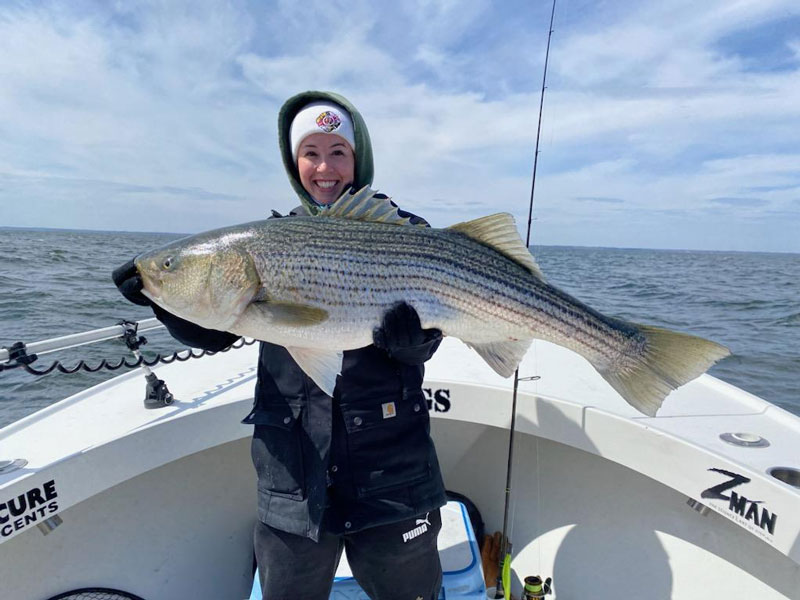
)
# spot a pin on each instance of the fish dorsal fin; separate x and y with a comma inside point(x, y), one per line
point(365, 205)
point(500, 232)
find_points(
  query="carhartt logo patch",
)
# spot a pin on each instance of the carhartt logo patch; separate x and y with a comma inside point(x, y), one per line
point(328, 121)
point(388, 410)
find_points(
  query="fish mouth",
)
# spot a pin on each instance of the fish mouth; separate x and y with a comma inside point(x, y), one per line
point(151, 286)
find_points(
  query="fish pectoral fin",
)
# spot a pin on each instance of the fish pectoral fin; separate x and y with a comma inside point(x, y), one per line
point(320, 365)
point(294, 315)
point(500, 232)
point(503, 357)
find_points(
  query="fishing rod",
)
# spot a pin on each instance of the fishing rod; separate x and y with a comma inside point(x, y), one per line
point(504, 577)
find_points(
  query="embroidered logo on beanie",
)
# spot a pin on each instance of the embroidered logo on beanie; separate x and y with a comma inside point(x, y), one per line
point(328, 121)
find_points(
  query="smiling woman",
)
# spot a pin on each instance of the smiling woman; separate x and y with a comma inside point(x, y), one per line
point(381, 474)
point(326, 164)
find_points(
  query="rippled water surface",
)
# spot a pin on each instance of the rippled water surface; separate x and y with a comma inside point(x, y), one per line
point(58, 282)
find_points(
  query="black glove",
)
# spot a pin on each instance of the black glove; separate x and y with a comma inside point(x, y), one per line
point(129, 282)
point(402, 337)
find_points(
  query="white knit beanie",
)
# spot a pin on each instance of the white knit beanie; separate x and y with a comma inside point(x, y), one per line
point(320, 117)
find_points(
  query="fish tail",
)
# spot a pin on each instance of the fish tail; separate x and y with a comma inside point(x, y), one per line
point(666, 360)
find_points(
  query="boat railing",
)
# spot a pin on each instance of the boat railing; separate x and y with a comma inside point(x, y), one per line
point(73, 340)
point(21, 355)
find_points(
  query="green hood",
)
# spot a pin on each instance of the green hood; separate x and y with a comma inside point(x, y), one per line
point(364, 169)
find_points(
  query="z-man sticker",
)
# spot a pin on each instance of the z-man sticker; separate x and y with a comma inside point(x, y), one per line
point(751, 514)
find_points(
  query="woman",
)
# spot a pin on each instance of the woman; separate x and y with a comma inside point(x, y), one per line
point(358, 471)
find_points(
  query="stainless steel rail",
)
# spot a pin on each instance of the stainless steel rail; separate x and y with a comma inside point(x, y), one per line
point(81, 339)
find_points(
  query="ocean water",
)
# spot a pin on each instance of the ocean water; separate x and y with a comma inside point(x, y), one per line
point(54, 283)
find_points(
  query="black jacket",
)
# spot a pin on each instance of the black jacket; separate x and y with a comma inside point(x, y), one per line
point(361, 459)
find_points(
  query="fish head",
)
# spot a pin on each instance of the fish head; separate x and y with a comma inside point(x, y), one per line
point(209, 282)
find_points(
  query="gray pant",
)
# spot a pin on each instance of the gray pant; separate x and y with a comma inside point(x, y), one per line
point(398, 561)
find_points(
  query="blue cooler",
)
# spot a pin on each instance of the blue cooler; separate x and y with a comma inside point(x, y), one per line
point(458, 550)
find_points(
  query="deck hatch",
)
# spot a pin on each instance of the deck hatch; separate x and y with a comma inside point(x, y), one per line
point(9, 466)
point(746, 440)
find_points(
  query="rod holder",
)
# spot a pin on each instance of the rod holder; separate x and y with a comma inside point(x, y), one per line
point(156, 395)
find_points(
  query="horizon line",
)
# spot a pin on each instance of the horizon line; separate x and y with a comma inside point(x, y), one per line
point(30, 228)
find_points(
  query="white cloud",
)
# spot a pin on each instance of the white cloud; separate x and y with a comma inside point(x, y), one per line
point(140, 108)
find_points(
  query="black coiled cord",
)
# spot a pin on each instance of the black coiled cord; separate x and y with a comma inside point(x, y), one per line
point(18, 357)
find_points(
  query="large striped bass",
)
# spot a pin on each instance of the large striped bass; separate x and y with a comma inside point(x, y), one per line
point(320, 285)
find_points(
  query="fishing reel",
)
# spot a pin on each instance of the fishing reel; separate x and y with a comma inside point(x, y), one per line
point(535, 588)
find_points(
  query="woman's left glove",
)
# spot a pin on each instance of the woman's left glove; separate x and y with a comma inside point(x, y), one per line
point(129, 283)
point(402, 337)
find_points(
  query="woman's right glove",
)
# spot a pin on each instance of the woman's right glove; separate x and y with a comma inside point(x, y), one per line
point(402, 337)
point(129, 283)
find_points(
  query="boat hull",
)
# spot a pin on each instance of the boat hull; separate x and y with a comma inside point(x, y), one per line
point(162, 503)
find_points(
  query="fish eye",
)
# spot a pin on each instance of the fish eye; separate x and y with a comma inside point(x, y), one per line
point(167, 262)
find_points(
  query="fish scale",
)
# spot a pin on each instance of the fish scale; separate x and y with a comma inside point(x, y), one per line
point(320, 285)
point(366, 267)
point(478, 281)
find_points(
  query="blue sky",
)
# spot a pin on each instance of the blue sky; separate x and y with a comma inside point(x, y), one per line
point(667, 124)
